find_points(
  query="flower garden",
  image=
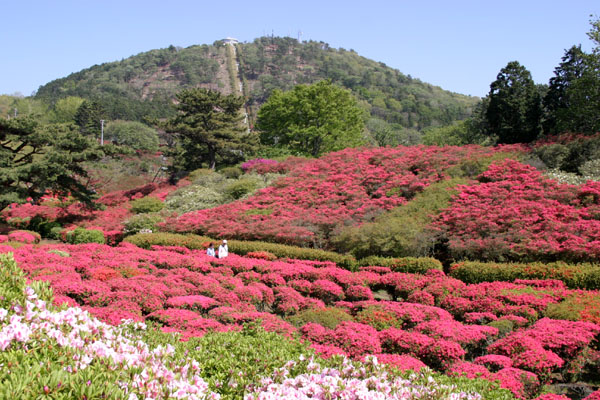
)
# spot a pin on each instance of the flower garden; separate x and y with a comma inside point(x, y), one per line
point(515, 314)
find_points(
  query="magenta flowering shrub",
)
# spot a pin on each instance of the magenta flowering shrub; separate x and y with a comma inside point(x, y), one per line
point(400, 361)
point(23, 237)
point(356, 339)
point(494, 362)
point(521, 383)
point(470, 370)
point(517, 213)
point(359, 292)
point(316, 196)
point(327, 291)
point(192, 302)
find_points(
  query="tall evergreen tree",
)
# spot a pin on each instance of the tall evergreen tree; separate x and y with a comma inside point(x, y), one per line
point(88, 117)
point(558, 98)
point(572, 103)
point(514, 110)
point(209, 129)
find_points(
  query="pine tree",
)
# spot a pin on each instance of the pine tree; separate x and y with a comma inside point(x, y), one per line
point(209, 129)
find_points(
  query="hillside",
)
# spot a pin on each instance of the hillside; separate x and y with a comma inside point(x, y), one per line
point(144, 84)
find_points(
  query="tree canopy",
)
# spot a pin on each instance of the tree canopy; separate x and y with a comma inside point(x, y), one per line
point(35, 159)
point(209, 129)
point(514, 110)
point(312, 119)
point(132, 134)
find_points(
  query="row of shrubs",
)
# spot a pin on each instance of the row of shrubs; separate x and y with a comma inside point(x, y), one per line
point(575, 276)
point(239, 247)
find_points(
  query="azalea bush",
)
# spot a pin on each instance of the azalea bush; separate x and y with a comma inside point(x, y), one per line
point(515, 213)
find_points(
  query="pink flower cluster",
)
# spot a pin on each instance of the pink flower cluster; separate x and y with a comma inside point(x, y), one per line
point(349, 382)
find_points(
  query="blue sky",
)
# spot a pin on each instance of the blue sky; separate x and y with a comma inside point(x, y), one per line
point(458, 45)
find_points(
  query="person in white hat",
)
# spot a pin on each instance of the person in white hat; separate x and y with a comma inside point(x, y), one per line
point(223, 249)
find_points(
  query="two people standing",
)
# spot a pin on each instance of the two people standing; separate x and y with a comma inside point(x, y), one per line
point(222, 252)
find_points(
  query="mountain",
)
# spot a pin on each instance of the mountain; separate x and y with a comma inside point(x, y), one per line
point(144, 85)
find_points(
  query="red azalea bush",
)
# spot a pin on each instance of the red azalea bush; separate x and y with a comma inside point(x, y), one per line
point(22, 236)
point(517, 213)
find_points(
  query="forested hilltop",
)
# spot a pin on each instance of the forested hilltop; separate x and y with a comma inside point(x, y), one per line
point(144, 85)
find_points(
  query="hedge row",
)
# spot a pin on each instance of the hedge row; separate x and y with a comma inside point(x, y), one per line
point(406, 264)
point(413, 265)
point(575, 276)
point(147, 240)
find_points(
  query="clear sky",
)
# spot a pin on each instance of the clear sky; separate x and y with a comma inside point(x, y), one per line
point(459, 45)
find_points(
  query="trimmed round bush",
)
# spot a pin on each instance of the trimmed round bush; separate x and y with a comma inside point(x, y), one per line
point(82, 235)
point(232, 172)
point(146, 205)
point(329, 317)
point(238, 189)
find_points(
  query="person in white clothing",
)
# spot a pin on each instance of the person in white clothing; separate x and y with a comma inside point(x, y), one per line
point(223, 249)
point(211, 250)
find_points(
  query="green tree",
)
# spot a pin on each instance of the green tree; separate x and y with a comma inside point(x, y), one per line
point(209, 129)
point(133, 134)
point(66, 108)
point(37, 158)
point(458, 134)
point(312, 119)
point(514, 110)
point(88, 117)
point(572, 102)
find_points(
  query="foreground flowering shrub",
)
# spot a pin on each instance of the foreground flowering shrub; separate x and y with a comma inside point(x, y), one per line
point(87, 348)
point(349, 382)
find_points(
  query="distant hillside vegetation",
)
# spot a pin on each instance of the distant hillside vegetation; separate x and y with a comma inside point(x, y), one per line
point(145, 84)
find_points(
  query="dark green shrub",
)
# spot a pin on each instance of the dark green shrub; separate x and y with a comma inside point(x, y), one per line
point(504, 326)
point(379, 318)
point(553, 155)
point(146, 205)
point(55, 232)
point(82, 235)
point(240, 188)
point(284, 251)
point(414, 265)
point(329, 317)
point(232, 172)
point(59, 253)
point(201, 173)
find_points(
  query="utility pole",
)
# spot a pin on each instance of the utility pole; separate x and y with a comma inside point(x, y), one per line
point(101, 132)
point(15, 112)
